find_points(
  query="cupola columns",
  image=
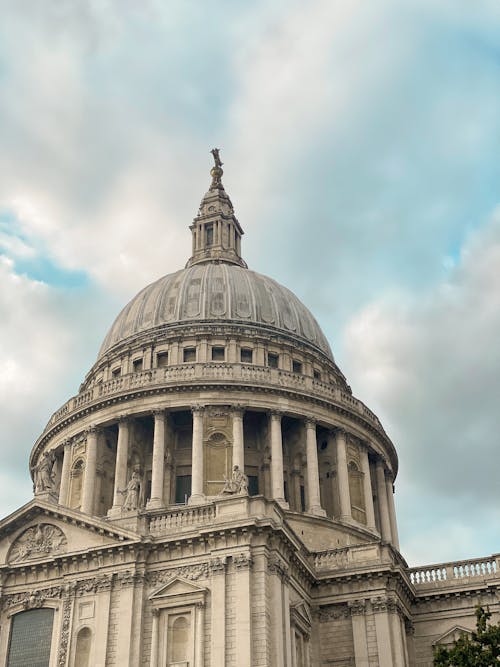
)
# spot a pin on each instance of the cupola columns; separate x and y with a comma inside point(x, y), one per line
point(385, 523)
point(197, 495)
point(367, 488)
point(277, 482)
point(158, 463)
point(121, 464)
point(343, 475)
point(89, 478)
point(313, 492)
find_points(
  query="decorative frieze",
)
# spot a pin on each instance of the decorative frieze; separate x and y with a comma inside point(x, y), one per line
point(65, 627)
point(333, 612)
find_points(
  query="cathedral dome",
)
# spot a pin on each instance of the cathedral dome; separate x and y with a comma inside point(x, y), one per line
point(216, 292)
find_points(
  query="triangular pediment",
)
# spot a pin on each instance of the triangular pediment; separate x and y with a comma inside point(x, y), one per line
point(452, 635)
point(301, 611)
point(175, 588)
point(41, 530)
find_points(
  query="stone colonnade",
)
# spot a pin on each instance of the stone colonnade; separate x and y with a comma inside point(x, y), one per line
point(337, 440)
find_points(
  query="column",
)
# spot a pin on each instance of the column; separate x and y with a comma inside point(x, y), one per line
point(383, 632)
point(385, 525)
point(158, 471)
point(277, 486)
point(398, 639)
point(200, 634)
point(89, 479)
point(367, 488)
point(121, 463)
point(154, 638)
point(197, 495)
point(343, 475)
point(218, 609)
point(238, 442)
point(313, 493)
point(392, 511)
point(242, 602)
point(65, 474)
point(357, 609)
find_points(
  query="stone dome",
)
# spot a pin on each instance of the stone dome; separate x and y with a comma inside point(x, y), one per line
point(216, 292)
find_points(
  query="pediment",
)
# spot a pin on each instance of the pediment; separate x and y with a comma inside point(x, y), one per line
point(300, 612)
point(450, 636)
point(40, 530)
point(175, 588)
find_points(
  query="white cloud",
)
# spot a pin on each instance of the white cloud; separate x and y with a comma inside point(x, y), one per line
point(429, 365)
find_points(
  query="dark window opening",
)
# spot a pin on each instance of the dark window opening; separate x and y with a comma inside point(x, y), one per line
point(324, 445)
point(30, 638)
point(296, 366)
point(162, 359)
point(218, 354)
point(189, 354)
point(285, 490)
point(210, 234)
point(246, 356)
point(137, 365)
point(182, 488)
point(253, 485)
point(272, 360)
point(302, 498)
point(317, 375)
point(116, 372)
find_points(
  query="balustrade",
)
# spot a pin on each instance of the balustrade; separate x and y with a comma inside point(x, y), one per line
point(216, 371)
point(181, 517)
point(454, 572)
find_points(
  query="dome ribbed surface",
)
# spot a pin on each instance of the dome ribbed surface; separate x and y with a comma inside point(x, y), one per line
point(216, 292)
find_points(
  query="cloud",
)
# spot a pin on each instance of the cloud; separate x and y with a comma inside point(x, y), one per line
point(429, 365)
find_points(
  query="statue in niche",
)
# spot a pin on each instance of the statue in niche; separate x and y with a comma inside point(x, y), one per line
point(132, 492)
point(44, 473)
point(236, 484)
point(39, 541)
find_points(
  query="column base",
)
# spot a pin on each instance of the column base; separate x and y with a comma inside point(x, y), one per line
point(198, 499)
point(317, 511)
point(155, 504)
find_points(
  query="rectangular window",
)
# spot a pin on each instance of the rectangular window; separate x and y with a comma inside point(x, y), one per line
point(162, 359)
point(317, 375)
point(246, 356)
point(210, 234)
point(296, 366)
point(272, 360)
point(31, 638)
point(253, 485)
point(137, 365)
point(189, 354)
point(218, 354)
point(116, 372)
point(182, 488)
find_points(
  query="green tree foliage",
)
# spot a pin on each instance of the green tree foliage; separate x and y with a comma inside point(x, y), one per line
point(481, 649)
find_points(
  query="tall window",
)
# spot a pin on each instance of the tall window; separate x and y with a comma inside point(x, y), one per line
point(272, 360)
point(210, 234)
point(162, 359)
point(76, 484)
point(31, 638)
point(137, 365)
point(189, 354)
point(356, 492)
point(246, 355)
point(218, 354)
point(179, 630)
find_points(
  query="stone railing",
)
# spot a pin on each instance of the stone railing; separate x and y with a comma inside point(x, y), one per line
point(180, 517)
point(455, 572)
point(217, 372)
point(353, 556)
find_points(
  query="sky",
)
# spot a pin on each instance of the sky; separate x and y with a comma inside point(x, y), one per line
point(360, 144)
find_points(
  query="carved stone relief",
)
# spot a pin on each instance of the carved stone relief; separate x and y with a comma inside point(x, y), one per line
point(39, 541)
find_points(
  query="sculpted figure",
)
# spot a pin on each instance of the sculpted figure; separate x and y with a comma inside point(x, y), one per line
point(238, 483)
point(44, 473)
point(217, 160)
point(132, 492)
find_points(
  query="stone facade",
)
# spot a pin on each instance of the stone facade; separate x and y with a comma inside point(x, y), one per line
point(216, 496)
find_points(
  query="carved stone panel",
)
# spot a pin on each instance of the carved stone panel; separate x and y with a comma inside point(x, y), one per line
point(38, 541)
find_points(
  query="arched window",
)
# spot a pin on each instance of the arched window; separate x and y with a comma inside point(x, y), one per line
point(31, 638)
point(218, 463)
point(178, 639)
point(358, 507)
point(75, 496)
point(83, 644)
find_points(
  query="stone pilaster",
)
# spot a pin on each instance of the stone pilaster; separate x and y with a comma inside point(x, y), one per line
point(238, 439)
point(367, 488)
point(121, 464)
point(278, 490)
point(158, 471)
point(392, 511)
point(385, 524)
point(65, 473)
